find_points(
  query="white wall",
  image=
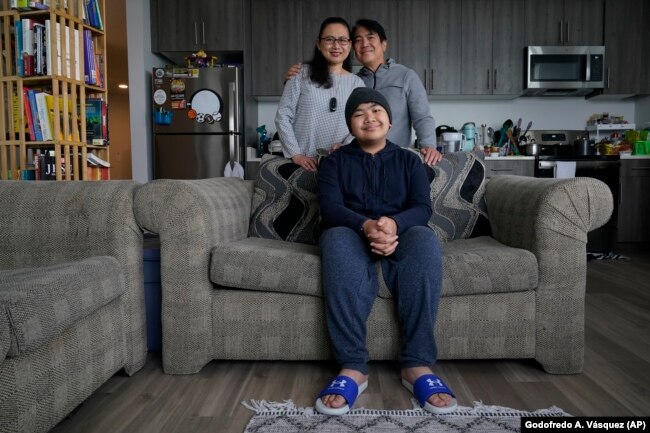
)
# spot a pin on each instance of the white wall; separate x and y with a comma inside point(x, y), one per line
point(141, 62)
point(642, 116)
point(545, 113)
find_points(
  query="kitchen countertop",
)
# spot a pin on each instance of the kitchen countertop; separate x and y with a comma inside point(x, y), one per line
point(634, 156)
point(524, 158)
point(509, 158)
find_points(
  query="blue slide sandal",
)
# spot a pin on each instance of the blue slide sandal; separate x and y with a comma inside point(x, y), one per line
point(427, 385)
point(344, 386)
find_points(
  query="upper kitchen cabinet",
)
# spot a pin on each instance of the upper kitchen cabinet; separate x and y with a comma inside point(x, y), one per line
point(383, 11)
point(493, 47)
point(429, 42)
point(276, 43)
point(624, 47)
point(211, 25)
point(564, 22)
point(313, 14)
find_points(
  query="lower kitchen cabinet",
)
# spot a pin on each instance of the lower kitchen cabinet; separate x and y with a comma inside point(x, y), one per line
point(634, 207)
point(517, 167)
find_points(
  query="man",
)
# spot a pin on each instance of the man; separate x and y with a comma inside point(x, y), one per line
point(400, 85)
point(367, 219)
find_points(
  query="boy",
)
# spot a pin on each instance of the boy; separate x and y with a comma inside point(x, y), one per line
point(374, 203)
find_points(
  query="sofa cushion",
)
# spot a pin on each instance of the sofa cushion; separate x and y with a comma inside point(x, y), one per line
point(483, 265)
point(457, 196)
point(41, 303)
point(285, 202)
point(470, 266)
point(267, 265)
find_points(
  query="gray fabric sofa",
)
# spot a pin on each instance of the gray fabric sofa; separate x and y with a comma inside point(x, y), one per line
point(518, 293)
point(71, 296)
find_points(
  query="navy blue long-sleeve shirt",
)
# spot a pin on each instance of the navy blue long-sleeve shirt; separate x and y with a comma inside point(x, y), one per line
point(354, 186)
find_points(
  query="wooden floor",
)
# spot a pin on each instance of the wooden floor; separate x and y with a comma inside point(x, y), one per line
point(615, 381)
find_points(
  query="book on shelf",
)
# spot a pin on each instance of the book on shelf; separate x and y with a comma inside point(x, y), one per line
point(44, 115)
point(96, 122)
point(33, 110)
point(93, 159)
point(18, 45)
point(27, 5)
point(28, 114)
point(93, 14)
point(39, 49)
point(38, 5)
point(28, 46)
point(96, 172)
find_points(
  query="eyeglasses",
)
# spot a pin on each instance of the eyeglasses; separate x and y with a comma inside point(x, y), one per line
point(330, 40)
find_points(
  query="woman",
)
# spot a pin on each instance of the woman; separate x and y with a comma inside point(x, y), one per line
point(310, 114)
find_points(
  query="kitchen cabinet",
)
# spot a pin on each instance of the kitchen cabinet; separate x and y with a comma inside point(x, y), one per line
point(315, 11)
point(492, 47)
point(274, 46)
point(313, 14)
point(386, 13)
point(564, 22)
point(634, 207)
point(430, 43)
point(284, 33)
point(517, 167)
point(624, 47)
point(645, 48)
point(211, 25)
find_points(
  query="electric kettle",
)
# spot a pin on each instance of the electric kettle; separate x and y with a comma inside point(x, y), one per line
point(469, 130)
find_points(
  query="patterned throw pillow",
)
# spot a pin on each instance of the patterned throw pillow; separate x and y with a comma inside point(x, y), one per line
point(285, 202)
point(457, 196)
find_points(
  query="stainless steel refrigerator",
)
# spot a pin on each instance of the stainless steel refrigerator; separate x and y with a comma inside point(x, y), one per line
point(197, 121)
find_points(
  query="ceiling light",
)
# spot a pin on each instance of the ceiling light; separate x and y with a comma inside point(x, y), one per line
point(123, 86)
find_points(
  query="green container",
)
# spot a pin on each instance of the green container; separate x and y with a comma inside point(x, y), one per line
point(642, 147)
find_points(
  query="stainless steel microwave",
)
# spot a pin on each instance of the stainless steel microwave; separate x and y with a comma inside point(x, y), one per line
point(564, 70)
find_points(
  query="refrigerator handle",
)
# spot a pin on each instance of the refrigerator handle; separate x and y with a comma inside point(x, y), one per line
point(233, 119)
point(231, 123)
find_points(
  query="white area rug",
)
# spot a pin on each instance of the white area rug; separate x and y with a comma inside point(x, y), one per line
point(273, 417)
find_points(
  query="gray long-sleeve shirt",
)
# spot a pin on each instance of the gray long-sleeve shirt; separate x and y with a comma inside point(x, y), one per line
point(408, 102)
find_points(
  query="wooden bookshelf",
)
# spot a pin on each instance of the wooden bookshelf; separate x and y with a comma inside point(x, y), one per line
point(58, 68)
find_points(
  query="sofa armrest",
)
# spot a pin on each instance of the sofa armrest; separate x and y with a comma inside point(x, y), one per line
point(521, 209)
point(191, 217)
point(45, 223)
point(551, 218)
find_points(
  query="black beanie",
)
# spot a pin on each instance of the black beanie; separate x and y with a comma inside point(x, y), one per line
point(362, 95)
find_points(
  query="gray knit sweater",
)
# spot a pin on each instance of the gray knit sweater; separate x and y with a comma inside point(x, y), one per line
point(304, 120)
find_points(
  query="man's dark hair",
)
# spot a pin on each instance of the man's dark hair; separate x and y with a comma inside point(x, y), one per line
point(371, 25)
point(318, 67)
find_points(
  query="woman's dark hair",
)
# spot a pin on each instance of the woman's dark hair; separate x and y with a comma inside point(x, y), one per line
point(319, 72)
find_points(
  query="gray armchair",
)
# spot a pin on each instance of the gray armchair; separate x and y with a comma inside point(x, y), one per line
point(518, 293)
point(71, 296)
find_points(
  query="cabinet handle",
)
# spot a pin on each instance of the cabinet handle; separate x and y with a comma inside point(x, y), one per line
point(431, 79)
point(640, 168)
point(425, 80)
point(203, 30)
point(567, 32)
point(494, 80)
point(620, 191)
point(561, 32)
point(488, 79)
point(196, 34)
point(607, 87)
point(501, 169)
